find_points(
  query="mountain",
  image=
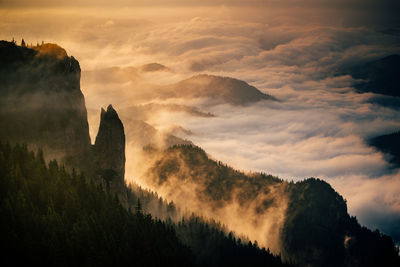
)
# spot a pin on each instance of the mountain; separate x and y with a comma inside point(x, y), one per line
point(49, 217)
point(223, 89)
point(130, 87)
point(109, 153)
point(380, 76)
point(307, 222)
point(55, 215)
point(41, 102)
point(151, 67)
point(390, 145)
point(141, 134)
point(42, 105)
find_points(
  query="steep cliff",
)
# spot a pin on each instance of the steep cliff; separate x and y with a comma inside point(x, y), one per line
point(41, 103)
point(109, 152)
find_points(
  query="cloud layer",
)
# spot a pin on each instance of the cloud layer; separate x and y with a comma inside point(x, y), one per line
point(318, 128)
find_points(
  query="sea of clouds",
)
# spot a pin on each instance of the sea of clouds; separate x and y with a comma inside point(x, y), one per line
point(317, 128)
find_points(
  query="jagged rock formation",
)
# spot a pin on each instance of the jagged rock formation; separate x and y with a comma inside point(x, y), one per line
point(41, 102)
point(109, 152)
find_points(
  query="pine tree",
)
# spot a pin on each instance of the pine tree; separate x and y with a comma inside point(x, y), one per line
point(138, 207)
point(23, 43)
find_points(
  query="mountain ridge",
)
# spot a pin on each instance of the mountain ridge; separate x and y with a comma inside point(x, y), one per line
point(316, 230)
point(267, 199)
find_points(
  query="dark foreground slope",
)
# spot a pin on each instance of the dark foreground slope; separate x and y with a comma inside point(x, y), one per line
point(316, 230)
point(51, 218)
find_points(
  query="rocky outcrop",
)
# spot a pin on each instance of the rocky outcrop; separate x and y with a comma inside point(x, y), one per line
point(41, 103)
point(109, 152)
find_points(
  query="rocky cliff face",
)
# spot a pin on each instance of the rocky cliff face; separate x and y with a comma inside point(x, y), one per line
point(109, 152)
point(41, 103)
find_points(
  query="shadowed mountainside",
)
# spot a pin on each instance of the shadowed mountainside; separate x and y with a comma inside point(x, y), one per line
point(311, 224)
point(379, 76)
point(42, 105)
point(136, 88)
point(54, 218)
point(390, 145)
point(225, 89)
point(41, 102)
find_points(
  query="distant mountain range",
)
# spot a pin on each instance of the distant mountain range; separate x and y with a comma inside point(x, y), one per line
point(215, 88)
point(390, 145)
point(379, 76)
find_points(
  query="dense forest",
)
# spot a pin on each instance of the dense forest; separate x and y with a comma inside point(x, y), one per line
point(317, 230)
point(52, 217)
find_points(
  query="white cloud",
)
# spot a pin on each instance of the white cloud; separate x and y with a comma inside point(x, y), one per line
point(317, 129)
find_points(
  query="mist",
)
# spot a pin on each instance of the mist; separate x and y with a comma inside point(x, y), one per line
point(317, 128)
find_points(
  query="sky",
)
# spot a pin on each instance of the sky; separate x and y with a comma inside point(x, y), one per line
point(289, 49)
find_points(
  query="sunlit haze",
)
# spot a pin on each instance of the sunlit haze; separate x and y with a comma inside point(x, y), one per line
point(295, 51)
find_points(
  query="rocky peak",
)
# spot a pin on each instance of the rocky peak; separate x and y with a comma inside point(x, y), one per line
point(109, 149)
point(41, 103)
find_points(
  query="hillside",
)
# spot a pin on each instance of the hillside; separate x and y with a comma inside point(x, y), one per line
point(379, 76)
point(130, 86)
point(311, 224)
point(52, 218)
point(56, 218)
point(224, 89)
point(99, 220)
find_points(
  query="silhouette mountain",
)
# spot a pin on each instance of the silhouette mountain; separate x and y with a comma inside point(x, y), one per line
point(41, 102)
point(390, 145)
point(215, 88)
point(310, 223)
point(52, 217)
point(41, 105)
point(225, 89)
point(379, 76)
point(151, 67)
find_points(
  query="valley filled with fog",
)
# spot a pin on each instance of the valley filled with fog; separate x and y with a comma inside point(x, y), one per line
point(310, 122)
